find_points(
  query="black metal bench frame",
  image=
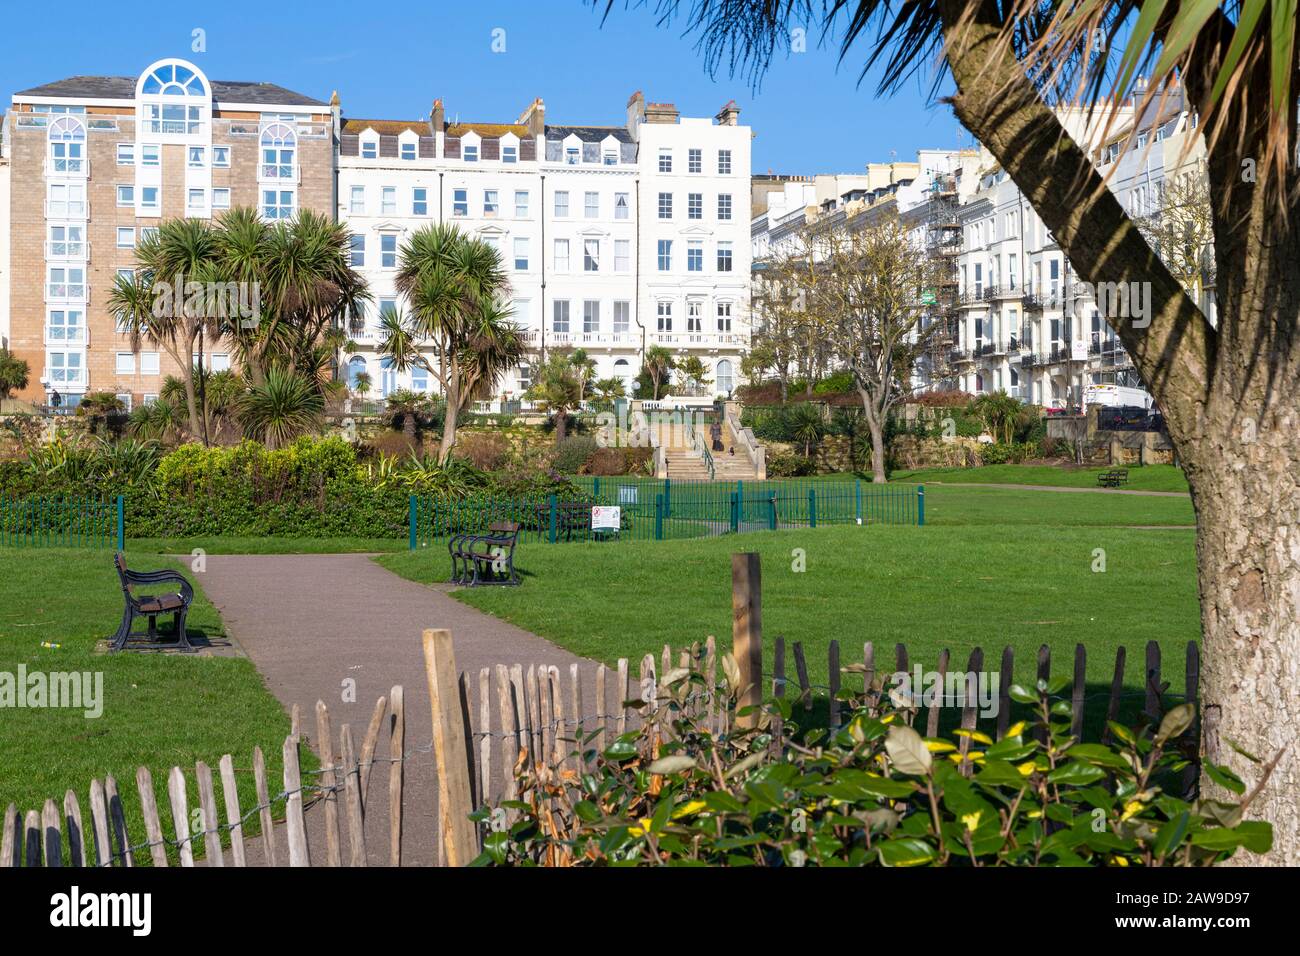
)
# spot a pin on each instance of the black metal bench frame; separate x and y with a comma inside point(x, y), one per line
point(1113, 478)
point(177, 605)
point(485, 558)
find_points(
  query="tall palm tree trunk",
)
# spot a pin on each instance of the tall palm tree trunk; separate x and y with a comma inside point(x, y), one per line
point(452, 392)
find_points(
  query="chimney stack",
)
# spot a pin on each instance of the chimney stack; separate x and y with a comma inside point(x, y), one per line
point(660, 113)
point(534, 117)
point(635, 112)
point(438, 118)
point(729, 115)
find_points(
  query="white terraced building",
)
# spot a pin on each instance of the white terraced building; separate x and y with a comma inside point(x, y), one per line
point(615, 238)
point(1027, 324)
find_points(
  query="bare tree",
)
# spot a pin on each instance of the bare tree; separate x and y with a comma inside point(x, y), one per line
point(865, 284)
point(784, 335)
point(1180, 228)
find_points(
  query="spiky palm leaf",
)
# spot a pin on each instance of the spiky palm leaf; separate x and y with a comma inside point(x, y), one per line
point(281, 408)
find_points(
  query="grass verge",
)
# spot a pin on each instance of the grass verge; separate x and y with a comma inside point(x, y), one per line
point(158, 710)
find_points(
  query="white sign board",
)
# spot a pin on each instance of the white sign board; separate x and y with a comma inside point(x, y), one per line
point(606, 518)
point(627, 494)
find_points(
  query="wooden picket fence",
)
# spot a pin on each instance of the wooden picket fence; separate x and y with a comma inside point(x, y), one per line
point(58, 836)
point(490, 726)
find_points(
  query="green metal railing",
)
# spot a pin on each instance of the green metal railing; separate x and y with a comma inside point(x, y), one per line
point(61, 522)
point(665, 509)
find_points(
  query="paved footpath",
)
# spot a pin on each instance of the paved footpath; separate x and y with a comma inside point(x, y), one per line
point(311, 622)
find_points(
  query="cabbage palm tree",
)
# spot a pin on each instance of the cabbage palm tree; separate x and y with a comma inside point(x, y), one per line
point(1229, 390)
point(152, 304)
point(557, 390)
point(658, 365)
point(453, 284)
point(306, 288)
point(606, 390)
point(283, 406)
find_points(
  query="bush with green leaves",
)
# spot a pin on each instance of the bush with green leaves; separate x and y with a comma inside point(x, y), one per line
point(790, 465)
point(573, 453)
point(684, 790)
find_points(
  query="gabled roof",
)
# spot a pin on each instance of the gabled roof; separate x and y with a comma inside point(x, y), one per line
point(487, 130)
point(123, 88)
point(387, 127)
point(589, 134)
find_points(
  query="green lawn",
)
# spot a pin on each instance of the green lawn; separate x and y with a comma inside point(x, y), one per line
point(158, 710)
point(959, 506)
point(991, 568)
point(1146, 478)
point(266, 545)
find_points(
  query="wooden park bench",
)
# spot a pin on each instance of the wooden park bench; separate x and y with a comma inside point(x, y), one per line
point(485, 558)
point(1113, 478)
point(150, 606)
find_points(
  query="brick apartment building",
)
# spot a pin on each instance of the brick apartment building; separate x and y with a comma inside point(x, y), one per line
point(94, 162)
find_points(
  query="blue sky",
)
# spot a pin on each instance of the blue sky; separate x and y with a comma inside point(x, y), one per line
point(808, 115)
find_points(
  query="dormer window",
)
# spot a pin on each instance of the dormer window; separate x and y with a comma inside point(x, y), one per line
point(407, 150)
point(469, 152)
point(611, 156)
point(572, 155)
point(370, 148)
point(173, 99)
point(509, 153)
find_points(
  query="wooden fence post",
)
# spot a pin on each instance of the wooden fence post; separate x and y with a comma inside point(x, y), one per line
point(396, 751)
point(295, 825)
point(460, 837)
point(747, 631)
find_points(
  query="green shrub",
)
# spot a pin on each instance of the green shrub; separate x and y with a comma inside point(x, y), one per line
point(873, 792)
point(572, 454)
point(787, 465)
point(837, 383)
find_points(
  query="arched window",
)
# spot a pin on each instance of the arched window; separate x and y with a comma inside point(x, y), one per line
point(356, 365)
point(173, 98)
point(623, 370)
point(279, 146)
point(723, 377)
point(174, 79)
point(67, 146)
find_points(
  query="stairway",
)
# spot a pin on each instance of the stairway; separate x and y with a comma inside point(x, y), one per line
point(686, 464)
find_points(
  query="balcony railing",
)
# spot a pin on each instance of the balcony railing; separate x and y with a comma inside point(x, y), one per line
point(67, 168)
point(65, 378)
point(63, 335)
point(58, 249)
point(67, 209)
point(66, 291)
